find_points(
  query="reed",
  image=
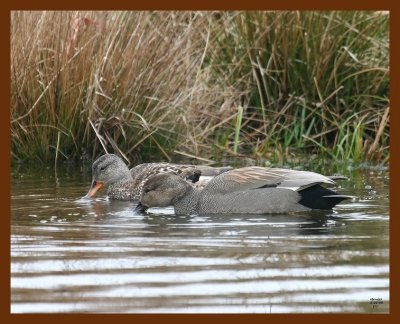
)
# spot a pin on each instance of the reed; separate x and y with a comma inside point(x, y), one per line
point(164, 85)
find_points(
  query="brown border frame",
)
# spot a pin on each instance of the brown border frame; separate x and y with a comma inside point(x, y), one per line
point(203, 5)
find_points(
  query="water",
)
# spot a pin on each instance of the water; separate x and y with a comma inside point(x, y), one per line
point(99, 256)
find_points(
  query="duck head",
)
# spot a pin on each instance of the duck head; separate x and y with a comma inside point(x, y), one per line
point(163, 190)
point(106, 170)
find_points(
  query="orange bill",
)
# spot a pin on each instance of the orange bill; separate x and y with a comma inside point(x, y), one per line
point(93, 189)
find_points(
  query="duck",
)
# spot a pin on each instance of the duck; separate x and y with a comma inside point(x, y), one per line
point(246, 190)
point(123, 184)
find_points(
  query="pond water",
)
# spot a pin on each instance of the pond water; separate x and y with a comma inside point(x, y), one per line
point(99, 256)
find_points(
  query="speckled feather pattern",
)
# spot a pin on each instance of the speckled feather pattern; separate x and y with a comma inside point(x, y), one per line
point(125, 184)
point(131, 189)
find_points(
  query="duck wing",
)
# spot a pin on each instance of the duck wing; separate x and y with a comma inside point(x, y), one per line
point(208, 171)
point(248, 178)
point(146, 170)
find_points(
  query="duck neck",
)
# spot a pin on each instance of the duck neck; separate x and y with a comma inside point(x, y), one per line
point(187, 204)
point(121, 176)
point(122, 189)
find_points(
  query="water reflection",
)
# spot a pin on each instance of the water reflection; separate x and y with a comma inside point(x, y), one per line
point(72, 255)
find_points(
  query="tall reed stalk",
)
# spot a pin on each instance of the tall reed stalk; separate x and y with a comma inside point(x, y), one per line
point(159, 85)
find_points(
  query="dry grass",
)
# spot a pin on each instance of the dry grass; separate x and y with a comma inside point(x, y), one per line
point(150, 84)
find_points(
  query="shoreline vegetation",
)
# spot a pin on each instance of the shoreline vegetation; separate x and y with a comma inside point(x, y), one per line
point(152, 86)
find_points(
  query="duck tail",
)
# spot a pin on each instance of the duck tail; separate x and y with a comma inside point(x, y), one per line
point(318, 197)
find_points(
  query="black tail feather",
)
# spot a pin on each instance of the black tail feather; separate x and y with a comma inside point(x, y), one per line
point(318, 197)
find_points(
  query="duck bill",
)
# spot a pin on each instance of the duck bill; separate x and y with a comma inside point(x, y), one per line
point(93, 189)
point(140, 208)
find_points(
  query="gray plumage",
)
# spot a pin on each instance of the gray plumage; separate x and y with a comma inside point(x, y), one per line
point(249, 190)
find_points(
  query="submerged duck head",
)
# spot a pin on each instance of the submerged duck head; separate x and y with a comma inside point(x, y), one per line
point(163, 189)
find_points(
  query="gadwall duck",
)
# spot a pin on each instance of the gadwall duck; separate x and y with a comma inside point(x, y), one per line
point(124, 184)
point(248, 190)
